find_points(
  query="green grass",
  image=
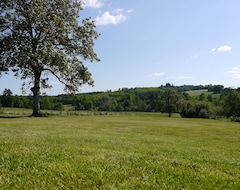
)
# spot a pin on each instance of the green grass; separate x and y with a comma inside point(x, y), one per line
point(120, 151)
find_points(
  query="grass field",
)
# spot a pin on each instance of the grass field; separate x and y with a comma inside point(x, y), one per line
point(119, 151)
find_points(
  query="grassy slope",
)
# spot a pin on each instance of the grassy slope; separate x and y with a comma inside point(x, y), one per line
point(130, 151)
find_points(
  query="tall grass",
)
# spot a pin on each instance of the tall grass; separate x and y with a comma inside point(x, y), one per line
point(125, 151)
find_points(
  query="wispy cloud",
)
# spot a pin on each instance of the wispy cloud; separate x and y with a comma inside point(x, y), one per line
point(130, 11)
point(180, 77)
point(234, 73)
point(213, 49)
point(222, 49)
point(92, 3)
point(155, 75)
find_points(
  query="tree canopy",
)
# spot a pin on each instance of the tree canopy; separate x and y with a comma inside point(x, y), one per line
point(43, 37)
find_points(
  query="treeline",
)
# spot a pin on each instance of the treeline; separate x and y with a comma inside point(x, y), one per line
point(47, 102)
point(187, 100)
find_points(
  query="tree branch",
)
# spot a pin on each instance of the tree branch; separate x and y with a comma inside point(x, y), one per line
point(52, 72)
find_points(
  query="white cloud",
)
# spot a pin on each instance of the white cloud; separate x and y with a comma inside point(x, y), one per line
point(118, 11)
point(129, 11)
point(92, 3)
point(234, 73)
point(222, 49)
point(155, 75)
point(213, 49)
point(180, 77)
point(106, 18)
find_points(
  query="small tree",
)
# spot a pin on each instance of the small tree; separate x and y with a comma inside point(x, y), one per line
point(170, 101)
point(7, 100)
point(7, 92)
point(209, 98)
point(202, 97)
point(43, 37)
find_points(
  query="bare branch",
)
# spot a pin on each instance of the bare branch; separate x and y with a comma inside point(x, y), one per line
point(54, 74)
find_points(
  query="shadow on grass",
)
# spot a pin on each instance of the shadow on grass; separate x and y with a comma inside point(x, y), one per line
point(17, 115)
point(12, 116)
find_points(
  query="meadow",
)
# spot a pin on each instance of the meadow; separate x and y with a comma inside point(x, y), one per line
point(118, 151)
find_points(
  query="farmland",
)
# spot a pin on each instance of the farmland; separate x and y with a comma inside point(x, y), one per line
point(118, 151)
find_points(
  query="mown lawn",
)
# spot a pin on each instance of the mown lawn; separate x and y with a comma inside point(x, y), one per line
point(120, 151)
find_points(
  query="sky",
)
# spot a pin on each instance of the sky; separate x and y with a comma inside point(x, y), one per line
point(151, 43)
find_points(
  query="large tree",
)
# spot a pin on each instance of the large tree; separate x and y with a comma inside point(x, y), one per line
point(231, 103)
point(43, 37)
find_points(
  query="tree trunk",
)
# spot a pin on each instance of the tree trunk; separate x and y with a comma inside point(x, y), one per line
point(36, 94)
point(169, 114)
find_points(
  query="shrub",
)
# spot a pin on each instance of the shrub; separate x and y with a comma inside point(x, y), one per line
point(195, 111)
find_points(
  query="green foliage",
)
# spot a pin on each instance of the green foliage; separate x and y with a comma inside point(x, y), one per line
point(186, 88)
point(216, 89)
point(231, 103)
point(199, 103)
point(170, 101)
point(202, 97)
point(39, 38)
point(83, 103)
point(58, 106)
point(138, 151)
point(209, 98)
point(198, 110)
point(46, 103)
point(138, 99)
point(7, 92)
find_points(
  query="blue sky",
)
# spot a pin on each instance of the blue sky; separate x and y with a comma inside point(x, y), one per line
point(150, 43)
